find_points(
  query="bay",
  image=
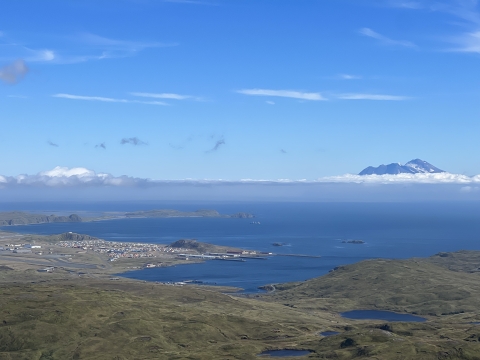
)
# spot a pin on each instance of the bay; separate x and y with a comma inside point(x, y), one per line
point(389, 230)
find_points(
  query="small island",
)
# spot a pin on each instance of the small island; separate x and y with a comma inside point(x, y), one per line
point(353, 242)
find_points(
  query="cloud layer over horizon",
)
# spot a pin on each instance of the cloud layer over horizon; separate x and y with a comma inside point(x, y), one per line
point(79, 176)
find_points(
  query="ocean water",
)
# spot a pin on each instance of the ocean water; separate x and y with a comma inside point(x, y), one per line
point(389, 230)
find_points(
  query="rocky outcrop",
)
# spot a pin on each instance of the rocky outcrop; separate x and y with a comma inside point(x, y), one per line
point(70, 236)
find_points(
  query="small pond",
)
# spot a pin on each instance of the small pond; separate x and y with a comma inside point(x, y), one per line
point(329, 333)
point(381, 315)
point(284, 353)
point(475, 323)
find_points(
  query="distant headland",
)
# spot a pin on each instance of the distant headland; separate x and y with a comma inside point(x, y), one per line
point(25, 218)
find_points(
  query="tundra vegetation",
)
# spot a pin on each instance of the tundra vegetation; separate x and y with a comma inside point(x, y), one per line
point(84, 313)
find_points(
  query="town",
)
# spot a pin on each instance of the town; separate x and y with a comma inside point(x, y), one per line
point(118, 250)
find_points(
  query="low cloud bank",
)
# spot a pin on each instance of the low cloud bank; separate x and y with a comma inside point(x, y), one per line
point(71, 177)
point(80, 184)
point(421, 178)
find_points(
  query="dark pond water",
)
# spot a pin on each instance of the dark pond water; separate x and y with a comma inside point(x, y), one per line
point(381, 315)
point(284, 353)
point(329, 333)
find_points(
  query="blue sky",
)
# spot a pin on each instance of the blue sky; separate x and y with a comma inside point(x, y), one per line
point(187, 89)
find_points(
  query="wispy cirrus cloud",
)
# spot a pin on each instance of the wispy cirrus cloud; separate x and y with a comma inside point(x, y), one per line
point(311, 96)
point(466, 43)
point(169, 96)
point(106, 99)
point(318, 96)
point(101, 146)
point(51, 143)
point(467, 11)
point(77, 48)
point(377, 97)
point(384, 39)
point(91, 46)
point(111, 47)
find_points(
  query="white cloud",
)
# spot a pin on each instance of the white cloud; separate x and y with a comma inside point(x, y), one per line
point(269, 102)
point(60, 171)
point(106, 99)
point(378, 97)
point(88, 98)
point(384, 39)
point(40, 55)
point(72, 177)
point(69, 177)
point(349, 77)
point(283, 93)
point(165, 96)
point(420, 178)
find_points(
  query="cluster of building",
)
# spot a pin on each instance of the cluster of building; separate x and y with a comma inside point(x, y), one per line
point(117, 250)
point(20, 248)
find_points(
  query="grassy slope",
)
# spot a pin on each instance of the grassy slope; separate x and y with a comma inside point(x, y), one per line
point(421, 286)
point(95, 319)
point(126, 320)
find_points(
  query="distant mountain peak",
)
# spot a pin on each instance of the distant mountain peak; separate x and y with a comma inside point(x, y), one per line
point(415, 166)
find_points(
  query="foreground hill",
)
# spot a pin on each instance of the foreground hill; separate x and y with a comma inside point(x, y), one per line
point(61, 316)
point(126, 320)
point(444, 284)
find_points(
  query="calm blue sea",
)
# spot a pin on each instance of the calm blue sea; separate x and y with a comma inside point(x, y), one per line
point(390, 230)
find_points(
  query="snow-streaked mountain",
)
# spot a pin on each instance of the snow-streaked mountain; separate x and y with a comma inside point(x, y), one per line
point(416, 166)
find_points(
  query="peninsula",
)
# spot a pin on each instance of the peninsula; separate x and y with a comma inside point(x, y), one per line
point(25, 218)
